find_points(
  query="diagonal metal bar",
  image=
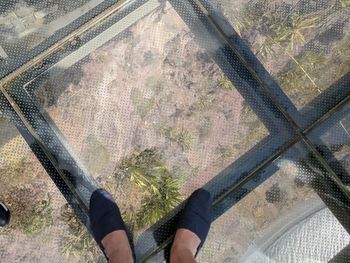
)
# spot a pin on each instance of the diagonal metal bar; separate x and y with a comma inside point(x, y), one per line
point(17, 66)
point(59, 163)
point(37, 148)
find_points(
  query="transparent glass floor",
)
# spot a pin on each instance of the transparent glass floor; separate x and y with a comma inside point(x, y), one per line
point(153, 99)
point(310, 40)
point(43, 227)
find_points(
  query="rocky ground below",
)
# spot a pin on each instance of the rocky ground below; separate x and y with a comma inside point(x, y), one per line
point(155, 88)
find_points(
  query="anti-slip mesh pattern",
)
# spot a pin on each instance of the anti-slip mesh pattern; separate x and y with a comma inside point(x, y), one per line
point(154, 99)
point(28, 28)
point(41, 227)
point(284, 218)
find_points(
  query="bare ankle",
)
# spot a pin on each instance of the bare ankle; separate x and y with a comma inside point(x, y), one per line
point(184, 238)
point(184, 247)
point(117, 247)
point(181, 255)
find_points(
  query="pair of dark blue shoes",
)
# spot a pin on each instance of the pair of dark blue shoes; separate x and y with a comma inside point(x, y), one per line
point(105, 216)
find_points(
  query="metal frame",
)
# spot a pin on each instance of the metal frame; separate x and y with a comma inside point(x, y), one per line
point(11, 65)
point(286, 125)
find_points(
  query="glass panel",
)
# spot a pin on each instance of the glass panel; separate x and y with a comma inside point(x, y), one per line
point(332, 139)
point(149, 113)
point(26, 24)
point(42, 227)
point(152, 117)
point(282, 220)
point(304, 45)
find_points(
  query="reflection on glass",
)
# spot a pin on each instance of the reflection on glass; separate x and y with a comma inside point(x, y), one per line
point(283, 219)
point(304, 45)
point(150, 114)
point(26, 24)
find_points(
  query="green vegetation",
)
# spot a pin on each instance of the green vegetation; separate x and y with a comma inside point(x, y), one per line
point(31, 211)
point(292, 32)
point(253, 12)
point(295, 78)
point(225, 83)
point(280, 32)
point(77, 241)
point(285, 31)
point(204, 102)
point(265, 49)
point(224, 153)
point(40, 218)
point(180, 136)
point(345, 3)
point(161, 191)
point(277, 28)
point(287, 35)
point(257, 16)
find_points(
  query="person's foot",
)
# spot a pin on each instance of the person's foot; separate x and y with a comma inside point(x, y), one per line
point(4, 215)
point(193, 227)
point(117, 247)
point(108, 227)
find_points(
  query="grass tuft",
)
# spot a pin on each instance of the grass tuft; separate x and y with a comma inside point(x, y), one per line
point(77, 242)
point(161, 191)
point(345, 3)
point(225, 83)
point(31, 212)
point(40, 218)
point(180, 136)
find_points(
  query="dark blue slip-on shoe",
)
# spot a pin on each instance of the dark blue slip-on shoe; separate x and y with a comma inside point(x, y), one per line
point(197, 215)
point(4, 215)
point(104, 215)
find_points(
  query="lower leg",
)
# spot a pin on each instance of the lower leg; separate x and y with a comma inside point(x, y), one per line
point(117, 247)
point(108, 227)
point(192, 228)
point(184, 247)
